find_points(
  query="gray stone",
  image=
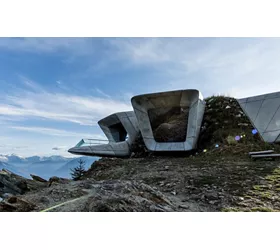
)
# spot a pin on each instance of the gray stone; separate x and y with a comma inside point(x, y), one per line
point(37, 178)
point(184, 206)
point(212, 196)
point(213, 202)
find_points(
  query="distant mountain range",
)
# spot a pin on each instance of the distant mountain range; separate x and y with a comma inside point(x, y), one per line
point(45, 167)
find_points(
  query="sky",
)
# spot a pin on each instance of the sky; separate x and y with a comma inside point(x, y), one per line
point(54, 90)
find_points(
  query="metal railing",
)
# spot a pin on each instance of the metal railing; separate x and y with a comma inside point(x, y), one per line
point(91, 142)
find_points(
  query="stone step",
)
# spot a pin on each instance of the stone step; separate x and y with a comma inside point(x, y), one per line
point(265, 156)
point(261, 152)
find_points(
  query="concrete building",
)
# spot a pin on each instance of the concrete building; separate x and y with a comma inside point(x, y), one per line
point(264, 114)
point(150, 108)
point(121, 130)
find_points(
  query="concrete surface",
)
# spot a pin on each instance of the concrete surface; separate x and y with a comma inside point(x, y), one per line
point(186, 99)
point(264, 114)
point(121, 130)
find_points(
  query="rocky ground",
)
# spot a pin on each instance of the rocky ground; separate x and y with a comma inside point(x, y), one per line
point(198, 183)
point(202, 183)
point(218, 176)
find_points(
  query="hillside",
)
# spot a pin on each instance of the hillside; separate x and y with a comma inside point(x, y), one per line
point(45, 167)
point(223, 121)
point(218, 176)
point(13, 169)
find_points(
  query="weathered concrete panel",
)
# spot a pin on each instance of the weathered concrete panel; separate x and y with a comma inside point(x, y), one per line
point(264, 113)
point(253, 108)
point(271, 136)
point(275, 122)
point(191, 99)
point(150, 143)
point(243, 100)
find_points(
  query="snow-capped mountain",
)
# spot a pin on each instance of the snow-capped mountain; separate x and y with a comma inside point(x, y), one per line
point(33, 158)
point(45, 167)
point(3, 158)
point(14, 158)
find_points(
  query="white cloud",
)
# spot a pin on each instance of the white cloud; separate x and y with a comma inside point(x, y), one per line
point(141, 50)
point(3, 158)
point(237, 66)
point(59, 148)
point(30, 84)
point(240, 66)
point(60, 107)
point(102, 93)
point(56, 132)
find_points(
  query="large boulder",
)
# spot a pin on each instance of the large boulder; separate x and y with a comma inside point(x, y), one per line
point(173, 127)
point(16, 204)
point(37, 178)
point(15, 184)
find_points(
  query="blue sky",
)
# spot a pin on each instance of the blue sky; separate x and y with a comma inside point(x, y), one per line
point(54, 90)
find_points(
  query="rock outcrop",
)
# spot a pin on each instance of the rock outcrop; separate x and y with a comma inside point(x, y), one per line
point(92, 196)
point(11, 183)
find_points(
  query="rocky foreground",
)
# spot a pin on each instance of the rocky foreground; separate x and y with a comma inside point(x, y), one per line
point(158, 183)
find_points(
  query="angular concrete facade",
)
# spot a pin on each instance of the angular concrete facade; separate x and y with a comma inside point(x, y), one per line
point(185, 99)
point(264, 114)
point(121, 130)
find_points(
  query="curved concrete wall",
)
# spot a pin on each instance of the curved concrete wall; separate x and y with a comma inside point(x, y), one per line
point(116, 127)
point(264, 113)
point(192, 99)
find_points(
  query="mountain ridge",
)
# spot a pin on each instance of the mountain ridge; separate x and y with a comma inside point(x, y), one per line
point(45, 166)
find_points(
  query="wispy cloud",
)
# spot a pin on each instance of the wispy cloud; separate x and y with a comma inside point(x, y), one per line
point(10, 148)
point(55, 132)
point(85, 110)
point(238, 66)
point(59, 148)
point(3, 158)
point(210, 64)
point(141, 50)
point(102, 93)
